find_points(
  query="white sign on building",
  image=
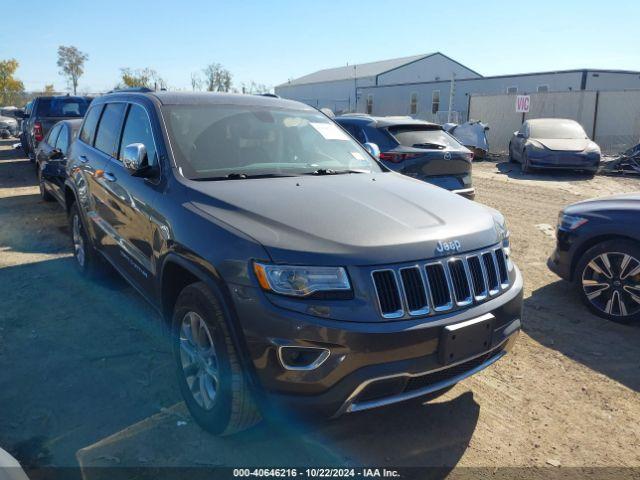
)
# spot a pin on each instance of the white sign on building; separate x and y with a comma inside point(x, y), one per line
point(522, 103)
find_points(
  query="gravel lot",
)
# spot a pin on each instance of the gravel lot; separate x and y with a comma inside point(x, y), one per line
point(87, 374)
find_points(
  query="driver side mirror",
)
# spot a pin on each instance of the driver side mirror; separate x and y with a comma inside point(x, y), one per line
point(56, 154)
point(136, 161)
point(520, 135)
point(373, 149)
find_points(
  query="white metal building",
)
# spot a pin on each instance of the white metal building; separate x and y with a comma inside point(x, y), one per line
point(338, 88)
point(430, 86)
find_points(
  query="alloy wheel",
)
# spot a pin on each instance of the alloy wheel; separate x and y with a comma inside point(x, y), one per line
point(199, 360)
point(78, 241)
point(611, 283)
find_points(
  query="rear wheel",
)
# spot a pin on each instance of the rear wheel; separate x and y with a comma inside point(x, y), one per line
point(608, 277)
point(44, 194)
point(210, 377)
point(87, 259)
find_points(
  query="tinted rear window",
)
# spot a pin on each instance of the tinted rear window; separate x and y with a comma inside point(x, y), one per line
point(109, 128)
point(423, 137)
point(72, 107)
point(89, 126)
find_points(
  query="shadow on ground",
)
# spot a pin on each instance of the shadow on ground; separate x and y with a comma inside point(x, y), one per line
point(601, 345)
point(514, 170)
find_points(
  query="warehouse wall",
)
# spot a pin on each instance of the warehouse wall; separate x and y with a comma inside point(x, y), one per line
point(611, 119)
point(338, 95)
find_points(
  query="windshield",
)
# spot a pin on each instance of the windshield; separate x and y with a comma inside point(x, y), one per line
point(63, 107)
point(216, 141)
point(423, 137)
point(557, 129)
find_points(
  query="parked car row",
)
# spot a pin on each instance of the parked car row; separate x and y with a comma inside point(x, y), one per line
point(293, 265)
point(40, 114)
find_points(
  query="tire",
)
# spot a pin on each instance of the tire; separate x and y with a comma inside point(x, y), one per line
point(619, 300)
point(526, 165)
point(87, 259)
point(511, 159)
point(44, 194)
point(210, 376)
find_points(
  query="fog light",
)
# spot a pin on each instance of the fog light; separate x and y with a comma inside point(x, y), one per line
point(302, 358)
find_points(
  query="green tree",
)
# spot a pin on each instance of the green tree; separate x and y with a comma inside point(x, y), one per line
point(11, 89)
point(217, 78)
point(142, 77)
point(71, 63)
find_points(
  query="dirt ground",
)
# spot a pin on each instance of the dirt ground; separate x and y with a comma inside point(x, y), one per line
point(86, 374)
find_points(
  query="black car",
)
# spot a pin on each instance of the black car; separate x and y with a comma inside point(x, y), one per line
point(415, 148)
point(51, 159)
point(599, 249)
point(293, 269)
point(45, 112)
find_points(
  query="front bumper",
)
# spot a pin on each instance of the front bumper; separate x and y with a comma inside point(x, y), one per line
point(561, 260)
point(364, 353)
point(564, 160)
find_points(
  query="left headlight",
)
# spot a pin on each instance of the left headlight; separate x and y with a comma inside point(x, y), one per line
point(592, 148)
point(300, 281)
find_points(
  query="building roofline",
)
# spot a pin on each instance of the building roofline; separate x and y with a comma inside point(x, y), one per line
point(513, 75)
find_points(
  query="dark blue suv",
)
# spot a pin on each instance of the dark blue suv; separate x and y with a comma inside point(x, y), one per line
point(293, 269)
point(416, 148)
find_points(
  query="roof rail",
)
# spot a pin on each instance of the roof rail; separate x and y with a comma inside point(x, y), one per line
point(131, 89)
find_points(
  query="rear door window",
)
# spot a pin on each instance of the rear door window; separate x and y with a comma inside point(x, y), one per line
point(62, 143)
point(109, 128)
point(418, 137)
point(90, 123)
point(355, 131)
point(53, 135)
point(137, 129)
point(73, 107)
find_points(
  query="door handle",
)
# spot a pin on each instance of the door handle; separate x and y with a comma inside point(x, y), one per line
point(109, 176)
point(84, 159)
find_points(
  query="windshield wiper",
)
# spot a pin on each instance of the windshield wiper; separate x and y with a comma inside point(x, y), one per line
point(242, 176)
point(437, 146)
point(328, 171)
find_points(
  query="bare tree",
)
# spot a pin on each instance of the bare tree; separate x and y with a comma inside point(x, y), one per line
point(255, 88)
point(196, 82)
point(71, 63)
point(48, 89)
point(217, 78)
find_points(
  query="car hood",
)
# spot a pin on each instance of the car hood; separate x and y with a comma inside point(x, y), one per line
point(628, 201)
point(357, 219)
point(564, 144)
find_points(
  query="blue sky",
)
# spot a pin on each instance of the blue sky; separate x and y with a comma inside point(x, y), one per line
point(271, 41)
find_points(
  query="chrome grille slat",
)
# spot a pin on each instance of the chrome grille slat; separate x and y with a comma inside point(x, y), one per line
point(441, 285)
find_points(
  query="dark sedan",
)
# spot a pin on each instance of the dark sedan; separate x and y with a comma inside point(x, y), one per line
point(51, 159)
point(415, 148)
point(553, 143)
point(599, 249)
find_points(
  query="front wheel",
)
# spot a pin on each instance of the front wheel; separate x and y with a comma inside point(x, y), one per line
point(210, 377)
point(608, 278)
point(526, 165)
point(511, 158)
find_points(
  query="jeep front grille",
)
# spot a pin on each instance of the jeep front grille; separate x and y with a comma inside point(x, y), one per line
point(442, 285)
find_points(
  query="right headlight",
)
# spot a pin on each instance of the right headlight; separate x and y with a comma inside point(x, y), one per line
point(300, 281)
point(569, 223)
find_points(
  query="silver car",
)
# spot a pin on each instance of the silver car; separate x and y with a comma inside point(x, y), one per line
point(553, 143)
